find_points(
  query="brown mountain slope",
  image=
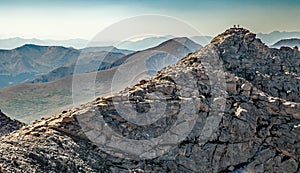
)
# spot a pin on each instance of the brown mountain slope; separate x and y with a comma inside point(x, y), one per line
point(165, 53)
point(90, 65)
point(34, 101)
point(212, 121)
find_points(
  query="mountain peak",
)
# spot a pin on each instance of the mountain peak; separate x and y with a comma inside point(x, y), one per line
point(179, 41)
point(29, 46)
point(234, 34)
point(240, 43)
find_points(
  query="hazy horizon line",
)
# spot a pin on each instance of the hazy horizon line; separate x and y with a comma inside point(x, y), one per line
point(87, 39)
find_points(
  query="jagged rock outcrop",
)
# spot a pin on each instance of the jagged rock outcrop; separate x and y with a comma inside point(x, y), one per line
point(242, 127)
point(8, 125)
point(276, 72)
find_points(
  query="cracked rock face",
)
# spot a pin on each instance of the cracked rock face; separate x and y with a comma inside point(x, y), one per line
point(8, 125)
point(257, 130)
point(275, 72)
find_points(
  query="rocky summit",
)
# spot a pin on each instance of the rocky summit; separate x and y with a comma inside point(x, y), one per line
point(275, 72)
point(8, 125)
point(232, 106)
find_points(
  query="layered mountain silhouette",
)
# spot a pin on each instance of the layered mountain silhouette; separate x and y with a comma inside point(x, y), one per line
point(52, 92)
point(239, 97)
point(12, 43)
point(90, 65)
point(275, 36)
point(37, 63)
point(162, 55)
point(142, 44)
point(111, 49)
point(23, 63)
point(292, 42)
point(145, 43)
point(203, 40)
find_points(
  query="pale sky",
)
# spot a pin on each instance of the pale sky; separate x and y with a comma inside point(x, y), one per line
point(72, 19)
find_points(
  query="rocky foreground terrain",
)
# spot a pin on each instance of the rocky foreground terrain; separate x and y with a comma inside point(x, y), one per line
point(232, 106)
point(8, 125)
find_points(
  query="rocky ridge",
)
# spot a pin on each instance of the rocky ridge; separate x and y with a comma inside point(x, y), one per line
point(259, 130)
point(8, 125)
point(276, 72)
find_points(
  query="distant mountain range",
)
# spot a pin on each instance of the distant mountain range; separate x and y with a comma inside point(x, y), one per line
point(35, 59)
point(173, 49)
point(106, 49)
point(142, 44)
point(273, 37)
point(94, 59)
point(202, 40)
point(52, 92)
point(90, 65)
point(11, 43)
point(23, 63)
point(30, 62)
point(288, 43)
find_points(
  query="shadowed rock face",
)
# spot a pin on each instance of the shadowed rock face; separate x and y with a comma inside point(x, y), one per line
point(255, 130)
point(273, 71)
point(7, 125)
